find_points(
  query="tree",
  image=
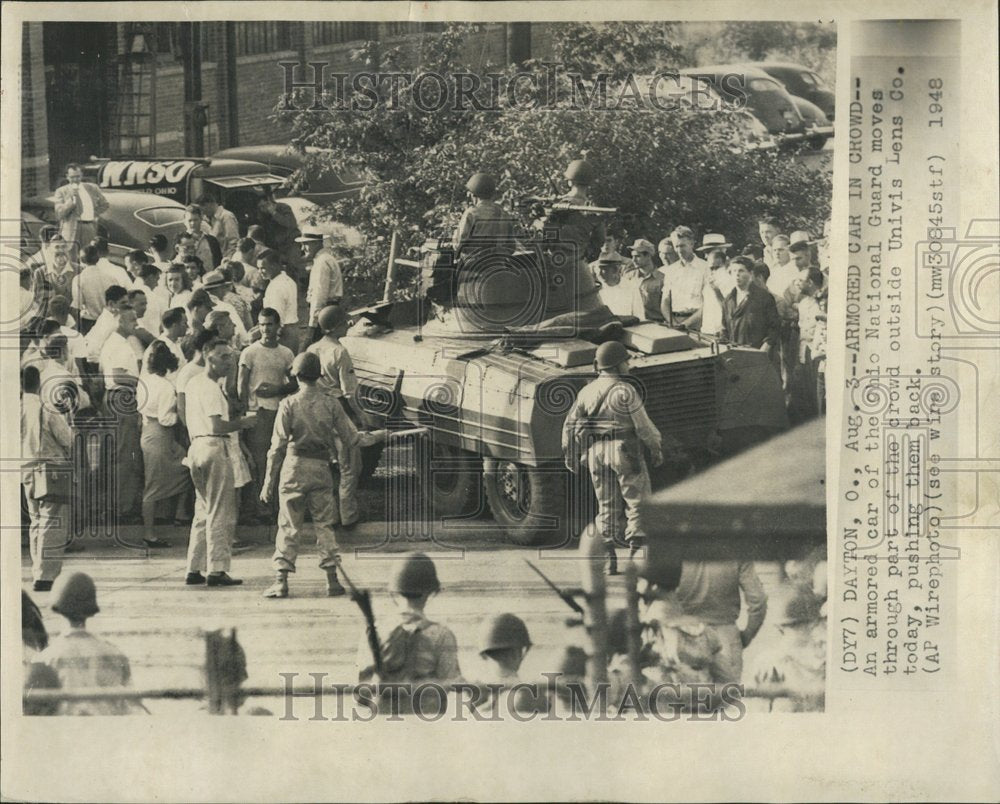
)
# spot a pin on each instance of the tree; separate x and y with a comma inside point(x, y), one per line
point(660, 168)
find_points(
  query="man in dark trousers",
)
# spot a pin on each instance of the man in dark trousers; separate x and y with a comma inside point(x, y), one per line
point(749, 314)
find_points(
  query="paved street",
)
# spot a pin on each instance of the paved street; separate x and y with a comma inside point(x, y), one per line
point(148, 612)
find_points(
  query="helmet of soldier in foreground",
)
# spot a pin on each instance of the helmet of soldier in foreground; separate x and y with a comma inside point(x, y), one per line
point(306, 366)
point(415, 576)
point(610, 354)
point(482, 185)
point(74, 596)
point(503, 631)
point(331, 317)
point(580, 172)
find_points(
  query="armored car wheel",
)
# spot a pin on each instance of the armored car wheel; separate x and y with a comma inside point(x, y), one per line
point(530, 503)
point(453, 486)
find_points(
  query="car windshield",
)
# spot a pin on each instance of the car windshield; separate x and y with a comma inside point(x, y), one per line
point(158, 217)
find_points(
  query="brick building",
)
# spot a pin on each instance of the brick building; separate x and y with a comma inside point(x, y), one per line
point(77, 85)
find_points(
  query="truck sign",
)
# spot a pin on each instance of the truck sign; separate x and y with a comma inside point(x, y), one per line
point(165, 177)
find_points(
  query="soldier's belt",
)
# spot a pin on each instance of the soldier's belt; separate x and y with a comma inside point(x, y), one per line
point(316, 454)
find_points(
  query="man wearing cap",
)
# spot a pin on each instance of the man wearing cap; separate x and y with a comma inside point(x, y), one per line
point(485, 225)
point(648, 285)
point(304, 444)
point(607, 429)
point(216, 285)
point(326, 282)
point(282, 294)
point(263, 381)
point(206, 414)
point(78, 205)
point(684, 284)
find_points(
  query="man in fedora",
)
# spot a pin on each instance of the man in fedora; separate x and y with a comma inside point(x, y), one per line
point(685, 283)
point(718, 283)
point(326, 282)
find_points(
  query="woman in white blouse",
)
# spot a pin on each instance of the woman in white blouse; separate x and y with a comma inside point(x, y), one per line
point(166, 476)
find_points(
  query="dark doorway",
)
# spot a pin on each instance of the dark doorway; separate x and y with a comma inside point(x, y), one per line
point(80, 59)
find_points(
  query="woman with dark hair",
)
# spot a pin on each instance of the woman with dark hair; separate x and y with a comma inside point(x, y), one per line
point(166, 476)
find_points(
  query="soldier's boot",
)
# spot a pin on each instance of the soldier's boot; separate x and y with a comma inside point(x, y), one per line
point(280, 586)
point(612, 568)
point(635, 545)
point(333, 585)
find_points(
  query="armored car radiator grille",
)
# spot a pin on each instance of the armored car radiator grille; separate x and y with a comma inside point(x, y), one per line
point(680, 399)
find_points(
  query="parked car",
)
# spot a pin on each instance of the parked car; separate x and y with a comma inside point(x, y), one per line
point(752, 89)
point(282, 160)
point(818, 126)
point(238, 184)
point(130, 222)
point(803, 83)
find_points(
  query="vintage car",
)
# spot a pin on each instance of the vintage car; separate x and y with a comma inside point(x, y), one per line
point(818, 126)
point(282, 160)
point(803, 83)
point(239, 185)
point(130, 222)
point(765, 98)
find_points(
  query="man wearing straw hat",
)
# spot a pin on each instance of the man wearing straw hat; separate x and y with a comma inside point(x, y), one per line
point(326, 282)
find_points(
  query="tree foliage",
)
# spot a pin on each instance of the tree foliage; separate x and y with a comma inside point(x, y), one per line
point(659, 168)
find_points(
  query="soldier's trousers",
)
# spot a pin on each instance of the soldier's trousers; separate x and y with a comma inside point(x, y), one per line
point(305, 484)
point(621, 483)
point(348, 488)
point(215, 505)
point(49, 527)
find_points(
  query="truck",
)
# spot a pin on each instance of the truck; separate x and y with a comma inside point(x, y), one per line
point(494, 406)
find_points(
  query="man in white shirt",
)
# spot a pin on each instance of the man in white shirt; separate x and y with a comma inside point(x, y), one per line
point(79, 205)
point(767, 227)
point(222, 224)
point(173, 327)
point(718, 285)
point(88, 289)
point(120, 369)
point(117, 274)
point(282, 294)
point(684, 285)
point(616, 292)
point(783, 268)
point(160, 251)
point(263, 381)
point(76, 345)
point(115, 298)
point(326, 283)
point(207, 417)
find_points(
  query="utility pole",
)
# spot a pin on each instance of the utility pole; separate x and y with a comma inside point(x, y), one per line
point(195, 110)
point(518, 42)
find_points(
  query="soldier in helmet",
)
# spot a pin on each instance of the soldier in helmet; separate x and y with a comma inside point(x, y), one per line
point(570, 239)
point(485, 225)
point(81, 660)
point(607, 430)
point(416, 649)
point(503, 643)
point(298, 469)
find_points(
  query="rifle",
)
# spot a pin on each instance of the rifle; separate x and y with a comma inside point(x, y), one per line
point(364, 600)
point(555, 203)
point(566, 597)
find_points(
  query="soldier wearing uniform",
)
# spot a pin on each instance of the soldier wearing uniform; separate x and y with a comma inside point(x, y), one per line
point(485, 225)
point(298, 466)
point(416, 649)
point(503, 643)
point(607, 429)
point(81, 660)
point(570, 238)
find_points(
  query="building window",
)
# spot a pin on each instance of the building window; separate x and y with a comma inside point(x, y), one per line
point(262, 37)
point(333, 33)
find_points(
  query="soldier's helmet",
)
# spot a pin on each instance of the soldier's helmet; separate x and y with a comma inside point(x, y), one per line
point(331, 317)
point(306, 366)
point(482, 185)
point(415, 576)
point(610, 354)
point(75, 596)
point(580, 172)
point(503, 631)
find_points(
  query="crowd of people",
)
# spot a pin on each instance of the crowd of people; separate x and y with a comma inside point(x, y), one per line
point(770, 296)
point(195, 357)
point(184, 356)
